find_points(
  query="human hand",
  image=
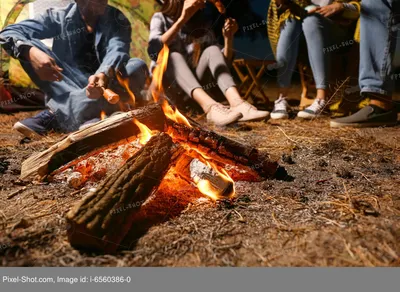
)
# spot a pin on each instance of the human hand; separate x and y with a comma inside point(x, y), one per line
point(96, 84)
point(190, 7)
point(43, 65)
point(329, 10)
point(230, 28)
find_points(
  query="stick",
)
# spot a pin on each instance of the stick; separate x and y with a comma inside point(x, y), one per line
point(110, 95)
point(13, 194)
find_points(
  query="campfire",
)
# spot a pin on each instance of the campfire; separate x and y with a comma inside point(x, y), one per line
point(132, 153)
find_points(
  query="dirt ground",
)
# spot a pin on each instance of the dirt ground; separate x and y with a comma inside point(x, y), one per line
point(339, 206)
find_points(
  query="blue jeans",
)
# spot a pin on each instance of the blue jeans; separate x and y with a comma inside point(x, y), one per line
point(67, 99)
point(379, 31)
point(323, 38)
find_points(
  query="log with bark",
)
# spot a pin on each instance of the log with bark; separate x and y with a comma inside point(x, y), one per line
point(104, 217)
point(103, 133)
point(224, 150)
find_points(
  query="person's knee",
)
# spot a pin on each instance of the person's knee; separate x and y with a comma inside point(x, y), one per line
point(212, 50)
point(136, 67)
point(311, 24)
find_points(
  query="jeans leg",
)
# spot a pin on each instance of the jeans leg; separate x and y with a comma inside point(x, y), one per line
point(72, 78)
point(377, 47)
point(287, 51)
point(323, 38)
point(67, 98)
point(213, 60)
point(138, 73)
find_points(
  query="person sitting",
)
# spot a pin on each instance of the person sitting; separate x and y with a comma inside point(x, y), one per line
point(91, 41)
point(326, 24)
point(379, 31)
point(195, 56)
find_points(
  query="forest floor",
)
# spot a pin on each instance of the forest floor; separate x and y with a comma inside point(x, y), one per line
point(339, 207)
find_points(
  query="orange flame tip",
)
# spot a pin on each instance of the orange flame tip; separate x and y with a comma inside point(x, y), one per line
point(174, 114)
point(124, 82)
point(145, 133)
point(162, 63)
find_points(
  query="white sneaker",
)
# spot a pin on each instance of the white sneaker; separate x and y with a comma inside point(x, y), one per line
point(314, 110)
point(221, 115)
point(250, 112)
point(280, 110)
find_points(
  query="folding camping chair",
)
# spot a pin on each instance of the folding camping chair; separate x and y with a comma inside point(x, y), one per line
point(250, 73)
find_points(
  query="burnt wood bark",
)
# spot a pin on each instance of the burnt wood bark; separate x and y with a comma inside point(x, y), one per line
point(106, 132)
point(223, 149)
point(103, 218)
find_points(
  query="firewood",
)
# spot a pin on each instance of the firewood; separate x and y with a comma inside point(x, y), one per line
point(194, 171)
point(224, 150)
point(106, 132)
point(103, 218)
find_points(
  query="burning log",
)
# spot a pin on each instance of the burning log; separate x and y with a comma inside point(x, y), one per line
point(106, 132)
point(207, 180)
point(104, 217)
point(224, 150)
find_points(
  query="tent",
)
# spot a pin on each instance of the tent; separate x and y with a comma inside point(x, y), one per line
point(138, 12)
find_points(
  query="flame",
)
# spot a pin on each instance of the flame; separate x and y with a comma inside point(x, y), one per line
point(158, 90)
point(103, 115)
point(174, 114)
point(162, 63)
point(205, 186)
point(145, 133)
point(124, 82)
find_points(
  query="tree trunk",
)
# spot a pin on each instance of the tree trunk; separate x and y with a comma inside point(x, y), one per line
point(106, 132)
point(104, 217)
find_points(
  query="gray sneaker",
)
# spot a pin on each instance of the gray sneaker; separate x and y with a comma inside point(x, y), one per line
point(280, 110)
point(314, 110)
point(369, 116)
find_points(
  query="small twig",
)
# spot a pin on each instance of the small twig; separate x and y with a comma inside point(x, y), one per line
point(294, 141)
point(13, 194)
point(333, 95)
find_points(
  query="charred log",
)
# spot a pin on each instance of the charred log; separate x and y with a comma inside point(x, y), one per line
point(223, 149)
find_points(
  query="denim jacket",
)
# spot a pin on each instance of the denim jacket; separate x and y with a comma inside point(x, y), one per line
point(66, 27)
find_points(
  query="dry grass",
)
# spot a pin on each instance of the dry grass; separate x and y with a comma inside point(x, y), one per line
point(339, 207)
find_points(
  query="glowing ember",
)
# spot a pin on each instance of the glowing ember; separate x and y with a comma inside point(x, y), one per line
point(103, 115)
point(145, 132)
point(124, 82)
point(162, 62)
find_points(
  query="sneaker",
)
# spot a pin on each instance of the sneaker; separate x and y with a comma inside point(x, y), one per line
point(280, 110)
point(89, 123)
point(369, 116)
point(221, 115)
point(314, 110)
point(40, 124)
point(249, 112)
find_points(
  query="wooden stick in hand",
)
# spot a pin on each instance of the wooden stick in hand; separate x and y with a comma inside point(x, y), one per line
point(110, 96)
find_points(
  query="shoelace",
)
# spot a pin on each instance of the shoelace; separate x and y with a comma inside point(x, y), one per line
point(221, 109)
point(317, 105)
point(248, 106)
point(45, 118)
point(280, 104)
